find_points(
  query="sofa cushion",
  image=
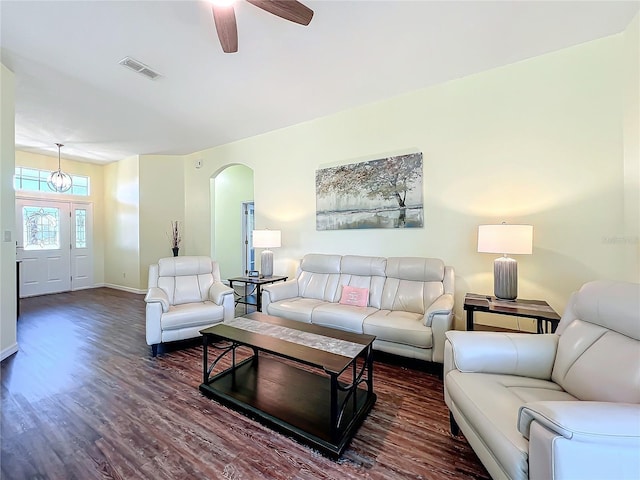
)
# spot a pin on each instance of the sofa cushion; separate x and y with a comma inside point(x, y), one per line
point(297, 308)
point(398, 327)
point(186, 279)
point(415, 268)
point(187, 265)
point(491, 404)
point(598, 350)
point(374, 284)
point(342, 317)
point(363, 266)
point(191, 315)
point(612, 305)
point(409, 295)
point(358, 297)
point(319, 286)
point(321, 263)
point(597, 364)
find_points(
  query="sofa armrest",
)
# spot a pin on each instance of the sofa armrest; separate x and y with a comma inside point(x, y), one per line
point(582, 420)
point(586, 440)
point(153, 326)
point(157, 295)
point(218, 291)
point(439, 316)
point(275, 292)
point(221, 294)
point(520, 354)
point(443, 305)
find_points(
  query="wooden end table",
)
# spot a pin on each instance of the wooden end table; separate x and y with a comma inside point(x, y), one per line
point(257, 282)
point(538, 309)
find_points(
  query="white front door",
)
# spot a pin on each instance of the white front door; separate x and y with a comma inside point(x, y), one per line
point(81, 246)
point(43, 246)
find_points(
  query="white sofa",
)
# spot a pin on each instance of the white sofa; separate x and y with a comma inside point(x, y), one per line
point(408, 306)
point(554, 406)
point(185, 295)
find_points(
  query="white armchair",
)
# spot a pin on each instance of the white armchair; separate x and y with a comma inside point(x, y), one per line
point(554, 406)
point(185, 296)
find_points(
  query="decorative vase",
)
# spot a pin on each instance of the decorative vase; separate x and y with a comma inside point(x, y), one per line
point(175, 251)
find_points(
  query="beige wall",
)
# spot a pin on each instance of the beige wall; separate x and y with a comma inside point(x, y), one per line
point(539, 142)
point(629, 240)
point(551, 141)
point(122, 225)
point(8, 337)
point(96, 197)
point(161, 201)
point(230, 188)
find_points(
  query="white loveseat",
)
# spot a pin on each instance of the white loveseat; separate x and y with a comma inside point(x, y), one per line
point(185, 295)
point(554, 406)
point(408, 304)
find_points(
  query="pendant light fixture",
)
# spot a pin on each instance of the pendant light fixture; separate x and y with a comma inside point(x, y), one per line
point(59, 181)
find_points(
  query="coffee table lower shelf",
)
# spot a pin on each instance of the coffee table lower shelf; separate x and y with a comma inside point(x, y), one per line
point(291, 400)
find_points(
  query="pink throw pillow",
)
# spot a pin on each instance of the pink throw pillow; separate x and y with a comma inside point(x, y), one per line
point(358, 297)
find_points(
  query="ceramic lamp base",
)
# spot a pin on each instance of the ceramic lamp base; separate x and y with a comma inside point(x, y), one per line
point(505, 278)
point(266, 263)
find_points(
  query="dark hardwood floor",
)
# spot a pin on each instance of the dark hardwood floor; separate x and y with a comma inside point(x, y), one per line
point(84, 399)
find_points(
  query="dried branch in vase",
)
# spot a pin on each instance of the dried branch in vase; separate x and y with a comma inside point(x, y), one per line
point(175, 237)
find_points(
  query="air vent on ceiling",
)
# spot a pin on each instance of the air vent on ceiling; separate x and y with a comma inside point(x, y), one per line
point(139, 67)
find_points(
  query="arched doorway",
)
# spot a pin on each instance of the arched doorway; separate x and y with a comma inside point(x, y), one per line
point(231, 192)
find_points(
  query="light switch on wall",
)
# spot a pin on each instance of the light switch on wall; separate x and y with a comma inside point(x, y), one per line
point(7, 235)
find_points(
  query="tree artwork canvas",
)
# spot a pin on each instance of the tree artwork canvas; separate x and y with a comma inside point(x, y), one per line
point(385, 193)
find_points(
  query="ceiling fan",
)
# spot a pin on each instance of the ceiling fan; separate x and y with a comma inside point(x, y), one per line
point(225, 18)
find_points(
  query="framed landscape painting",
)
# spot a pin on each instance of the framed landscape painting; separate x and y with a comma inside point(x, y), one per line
point(384, 193)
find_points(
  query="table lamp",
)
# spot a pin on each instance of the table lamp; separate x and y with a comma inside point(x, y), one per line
point(507, 240)
point(266, 239)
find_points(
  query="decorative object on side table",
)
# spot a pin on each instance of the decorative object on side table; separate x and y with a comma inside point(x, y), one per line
point(505, 239)
point(175, 237)
point(266, 239)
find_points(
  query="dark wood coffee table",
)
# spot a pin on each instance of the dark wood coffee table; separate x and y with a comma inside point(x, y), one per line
point(322, 406)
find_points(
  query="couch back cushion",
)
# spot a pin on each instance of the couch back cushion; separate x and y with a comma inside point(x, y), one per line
point(598, 357)
point(319, 277)
point(363, 272)
point(412, 283)
point(187, 279)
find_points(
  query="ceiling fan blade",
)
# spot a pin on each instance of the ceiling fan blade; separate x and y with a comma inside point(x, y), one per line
point(225, 19)
point(288, 9)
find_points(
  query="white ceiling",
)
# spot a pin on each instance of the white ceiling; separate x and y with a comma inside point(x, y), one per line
point(71, 89)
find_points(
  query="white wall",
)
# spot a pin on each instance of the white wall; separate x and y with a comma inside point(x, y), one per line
point(539, 142)
point(122, 225)
point(8, 336)
point(161, 201)
point(629, 240)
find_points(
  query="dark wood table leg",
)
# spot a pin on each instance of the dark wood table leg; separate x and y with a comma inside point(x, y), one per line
point(205, 359)
point(258, 299)
point(334, 406)
point(470, 319)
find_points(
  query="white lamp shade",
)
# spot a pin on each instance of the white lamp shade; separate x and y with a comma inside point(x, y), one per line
point(266, 238)
point(505, 239)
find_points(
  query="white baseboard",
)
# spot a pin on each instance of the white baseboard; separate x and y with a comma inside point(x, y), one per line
point(7, 352)
point(124, 289)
